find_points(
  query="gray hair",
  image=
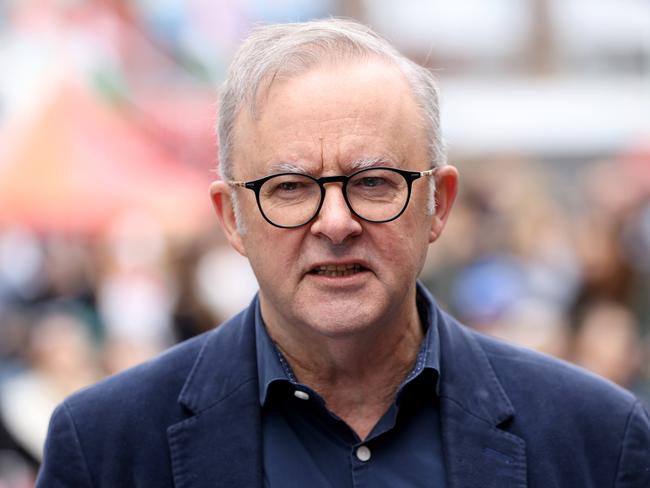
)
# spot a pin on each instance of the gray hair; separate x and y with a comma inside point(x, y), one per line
point(286, 50)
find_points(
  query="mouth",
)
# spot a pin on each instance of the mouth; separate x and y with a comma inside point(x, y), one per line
point(337, 270)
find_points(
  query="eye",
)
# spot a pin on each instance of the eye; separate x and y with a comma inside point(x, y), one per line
point(289, 186)
point(371, 181)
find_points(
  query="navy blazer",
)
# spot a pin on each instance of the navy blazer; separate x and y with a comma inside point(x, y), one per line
point(191, 418)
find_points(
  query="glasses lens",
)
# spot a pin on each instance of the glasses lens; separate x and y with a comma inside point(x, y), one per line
point(289, 200)
point(377, 194)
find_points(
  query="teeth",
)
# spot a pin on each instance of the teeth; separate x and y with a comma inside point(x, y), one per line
point(338, 270)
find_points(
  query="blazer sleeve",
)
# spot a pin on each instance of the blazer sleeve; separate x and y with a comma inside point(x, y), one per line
point(64, 464)
point(634, 461)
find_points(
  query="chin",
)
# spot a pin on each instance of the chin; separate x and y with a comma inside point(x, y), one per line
point(334, 322)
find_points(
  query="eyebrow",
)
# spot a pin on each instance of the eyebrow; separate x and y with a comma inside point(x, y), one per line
point(359, 164)
point(368, 163)
point(284, 167)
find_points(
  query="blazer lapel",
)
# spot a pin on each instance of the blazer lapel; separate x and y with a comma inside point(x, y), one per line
point(220, 443)
point(479, 454)
point(474, 407)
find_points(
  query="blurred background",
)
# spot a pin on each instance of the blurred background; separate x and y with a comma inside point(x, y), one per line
point(109, 252)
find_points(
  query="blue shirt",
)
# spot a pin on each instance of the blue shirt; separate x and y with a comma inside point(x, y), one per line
point(306, 445)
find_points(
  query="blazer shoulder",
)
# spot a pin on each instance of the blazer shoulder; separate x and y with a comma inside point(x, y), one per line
point(559, 405)
point(116, 430)
point(161, 377)
point(529, 378)
point(158, 383)
point(528, 371)
point(554, 399)
point(125, 414)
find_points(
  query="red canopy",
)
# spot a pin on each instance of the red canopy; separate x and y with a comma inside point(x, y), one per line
point(79, 164)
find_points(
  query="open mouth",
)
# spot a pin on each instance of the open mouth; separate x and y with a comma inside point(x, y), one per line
point(337, 270)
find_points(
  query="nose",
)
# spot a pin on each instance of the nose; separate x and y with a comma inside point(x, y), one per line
point(335, 221)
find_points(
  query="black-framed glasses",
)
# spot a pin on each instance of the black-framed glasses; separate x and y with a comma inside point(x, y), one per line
point(290, 200)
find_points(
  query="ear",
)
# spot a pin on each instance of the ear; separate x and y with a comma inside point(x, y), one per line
point(220, 194)
point(446, 190)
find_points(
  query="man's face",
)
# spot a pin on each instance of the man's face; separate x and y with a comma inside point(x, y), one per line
point(324, 121)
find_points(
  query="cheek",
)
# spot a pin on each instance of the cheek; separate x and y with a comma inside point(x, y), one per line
point(261, 240)
point(272, 252)
point(402, 248)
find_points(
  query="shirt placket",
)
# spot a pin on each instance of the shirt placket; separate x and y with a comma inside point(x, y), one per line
point(360, 461)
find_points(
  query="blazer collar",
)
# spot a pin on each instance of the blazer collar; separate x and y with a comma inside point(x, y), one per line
point(220, 443)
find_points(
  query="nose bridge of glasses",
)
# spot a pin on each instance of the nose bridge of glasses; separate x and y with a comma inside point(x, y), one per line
point(323, 180)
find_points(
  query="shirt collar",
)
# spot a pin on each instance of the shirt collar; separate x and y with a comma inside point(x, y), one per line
point(269, 359)
point(272, 366)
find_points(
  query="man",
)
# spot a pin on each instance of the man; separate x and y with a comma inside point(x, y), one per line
point(343, 371)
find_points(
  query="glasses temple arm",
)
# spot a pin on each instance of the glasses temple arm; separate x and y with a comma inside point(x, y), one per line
point(240, 184)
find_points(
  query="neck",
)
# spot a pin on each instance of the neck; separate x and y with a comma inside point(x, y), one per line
point(357, 375)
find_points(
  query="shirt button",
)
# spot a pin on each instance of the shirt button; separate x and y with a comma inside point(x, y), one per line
point(363, 453)
point(301, 394)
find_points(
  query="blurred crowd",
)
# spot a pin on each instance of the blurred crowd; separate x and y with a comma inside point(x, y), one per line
point(556, 263)
point(74, 309)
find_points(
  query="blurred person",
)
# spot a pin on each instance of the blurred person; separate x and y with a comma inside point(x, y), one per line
point(22, 259)
point(510, 263)
point(60, 361)
point(607, 342)
point(18, 465)
point(14, 471)
point(508, 241)
point(343, 371)
point(119, 353)
point(14, 331)
point(69, 269)
point(608, 197)
point(494, 296)
point(136, 291)
point(223, 295)
point(535, 324)
point(192, 315)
